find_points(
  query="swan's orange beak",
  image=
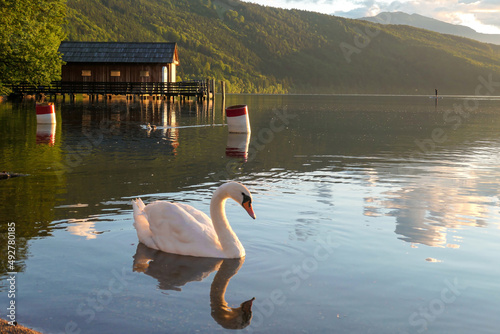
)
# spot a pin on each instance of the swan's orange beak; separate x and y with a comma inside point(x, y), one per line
point(248, 207)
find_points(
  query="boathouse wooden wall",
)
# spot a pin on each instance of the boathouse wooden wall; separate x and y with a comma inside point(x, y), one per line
point(103, 72)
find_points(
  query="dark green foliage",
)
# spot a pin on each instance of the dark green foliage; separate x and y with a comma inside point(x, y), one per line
point(268, 50)
point(30, 34)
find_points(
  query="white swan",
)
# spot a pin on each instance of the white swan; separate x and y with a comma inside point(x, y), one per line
point(181, 229)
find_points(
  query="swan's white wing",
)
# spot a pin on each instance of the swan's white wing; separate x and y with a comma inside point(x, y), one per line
point(181, 229)
point(200, 216)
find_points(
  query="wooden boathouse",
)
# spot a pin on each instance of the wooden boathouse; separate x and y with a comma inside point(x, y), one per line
point(120, 68)
point(119, 62)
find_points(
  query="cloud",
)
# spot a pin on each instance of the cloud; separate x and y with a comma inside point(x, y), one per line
point(481, 15)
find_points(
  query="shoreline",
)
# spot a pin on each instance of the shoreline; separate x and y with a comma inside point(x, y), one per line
point(5, 328)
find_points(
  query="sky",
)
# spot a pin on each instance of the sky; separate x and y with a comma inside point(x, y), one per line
point(481, 15)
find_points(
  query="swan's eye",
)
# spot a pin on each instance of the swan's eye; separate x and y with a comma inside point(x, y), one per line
point(246, 198)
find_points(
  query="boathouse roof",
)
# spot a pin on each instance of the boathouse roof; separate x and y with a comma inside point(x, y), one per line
point(118, 52)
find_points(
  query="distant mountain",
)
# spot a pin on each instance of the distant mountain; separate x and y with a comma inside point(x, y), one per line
point(423, 22)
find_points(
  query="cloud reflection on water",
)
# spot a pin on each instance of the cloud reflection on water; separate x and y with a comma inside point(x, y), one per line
point(437, 201)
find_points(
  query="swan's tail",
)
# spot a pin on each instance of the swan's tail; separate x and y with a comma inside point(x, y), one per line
point(138, 204)
point(141, 224)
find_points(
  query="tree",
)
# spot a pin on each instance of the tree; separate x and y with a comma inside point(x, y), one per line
point(29, 40)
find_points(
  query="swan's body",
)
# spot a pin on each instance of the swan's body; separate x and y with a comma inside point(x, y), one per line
point(181, 229)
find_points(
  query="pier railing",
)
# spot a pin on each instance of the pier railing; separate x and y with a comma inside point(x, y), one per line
point(186, 88)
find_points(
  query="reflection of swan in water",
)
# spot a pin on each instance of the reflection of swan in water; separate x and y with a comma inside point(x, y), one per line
point(174, 271)
point(228, 317)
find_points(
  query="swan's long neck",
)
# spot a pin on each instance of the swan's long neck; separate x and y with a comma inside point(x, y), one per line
point(230, 243)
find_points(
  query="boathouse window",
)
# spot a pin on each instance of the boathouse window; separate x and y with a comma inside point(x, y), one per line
point(115, 73)
point(144, 73)
point(86, 73)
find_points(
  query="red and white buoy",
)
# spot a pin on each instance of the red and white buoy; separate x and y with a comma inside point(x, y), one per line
point(237, 119)
point(45, 113)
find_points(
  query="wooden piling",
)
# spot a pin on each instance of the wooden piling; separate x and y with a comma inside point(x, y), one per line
point(212, 84)
point(207, 89)
point(223, 89)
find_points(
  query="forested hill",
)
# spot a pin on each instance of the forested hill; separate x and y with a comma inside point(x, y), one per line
point(267, 50)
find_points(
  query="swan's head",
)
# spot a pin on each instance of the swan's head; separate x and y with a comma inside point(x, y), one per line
point(240, 194)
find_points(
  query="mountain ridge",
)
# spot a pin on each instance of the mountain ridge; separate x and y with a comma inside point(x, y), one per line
point(424, 22)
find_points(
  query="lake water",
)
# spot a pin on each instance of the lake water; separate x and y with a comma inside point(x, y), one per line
point(375, 214)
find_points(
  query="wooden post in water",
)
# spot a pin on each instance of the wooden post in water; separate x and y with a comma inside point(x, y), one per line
point(223, 90)
point(207, 89)
point(212, 84)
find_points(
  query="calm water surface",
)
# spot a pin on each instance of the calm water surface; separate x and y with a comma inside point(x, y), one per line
point(374, 215)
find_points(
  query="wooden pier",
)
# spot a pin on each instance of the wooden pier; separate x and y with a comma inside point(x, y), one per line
point(202, 89)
